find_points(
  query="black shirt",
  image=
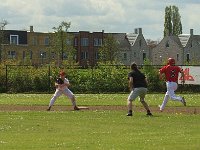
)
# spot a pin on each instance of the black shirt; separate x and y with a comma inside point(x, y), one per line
point(138, 79)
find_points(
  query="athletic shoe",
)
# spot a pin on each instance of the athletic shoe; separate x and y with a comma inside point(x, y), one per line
point(129, 114)
point(149, 114)
point(76, 108)
point(160, 108)
point(49, 109)
point(183, 101)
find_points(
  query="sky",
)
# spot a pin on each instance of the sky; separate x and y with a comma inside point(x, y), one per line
point(112, 16)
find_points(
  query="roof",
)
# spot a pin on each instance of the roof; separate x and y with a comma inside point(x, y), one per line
point(176, 39)
point(120, 37)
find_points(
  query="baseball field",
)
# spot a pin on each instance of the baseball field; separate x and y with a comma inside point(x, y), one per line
point(100, 124)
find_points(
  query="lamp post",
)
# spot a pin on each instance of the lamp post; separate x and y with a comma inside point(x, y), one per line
point(42, 57)
point(160, 59)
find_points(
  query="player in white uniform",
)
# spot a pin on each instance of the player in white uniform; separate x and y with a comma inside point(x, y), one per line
point(62, 88)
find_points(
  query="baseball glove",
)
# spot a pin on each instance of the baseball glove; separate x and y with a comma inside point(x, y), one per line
point(59, 81)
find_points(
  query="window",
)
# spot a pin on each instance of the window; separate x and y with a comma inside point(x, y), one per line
point(140, 43)
point(144, 56)
point(53, 55)
point(46, 41)
point(125, 56)
point(11, 54)
point(64, 55)
point(97, 42)
point(68, 42)
point(167, 44)
point(75, 42)
point(34, 42)
point(84, 42)
point(188, 57)
point(177, 57)
point(14, 39)
point(96, 55)
point(134, 54)
point(84, 55)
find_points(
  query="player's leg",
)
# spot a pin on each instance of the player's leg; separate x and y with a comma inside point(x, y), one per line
point(53, 99)
point(164, 103)
point(143, 92)
point(166, 98)
point(71, 96)
point(171, 91)
point(132, 96)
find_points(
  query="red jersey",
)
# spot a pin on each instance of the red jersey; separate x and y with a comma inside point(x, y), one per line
point(171, 72)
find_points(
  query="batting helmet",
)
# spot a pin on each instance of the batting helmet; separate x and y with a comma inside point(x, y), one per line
point(171, 61)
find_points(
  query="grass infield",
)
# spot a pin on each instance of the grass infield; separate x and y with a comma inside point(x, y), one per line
point(97, 129)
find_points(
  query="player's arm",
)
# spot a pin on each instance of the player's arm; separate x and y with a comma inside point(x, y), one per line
point(160, 75)
point(130, 83)
point(182, 76)
point(56, 84)
point(66, 82)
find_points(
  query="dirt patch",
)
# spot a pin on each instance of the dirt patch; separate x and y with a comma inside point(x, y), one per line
point(183, 110)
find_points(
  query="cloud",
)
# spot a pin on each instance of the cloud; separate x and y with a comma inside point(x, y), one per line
point(96, 15)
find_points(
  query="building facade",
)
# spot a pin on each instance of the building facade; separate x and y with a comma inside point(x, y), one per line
point(36, 48)
point(184, 48)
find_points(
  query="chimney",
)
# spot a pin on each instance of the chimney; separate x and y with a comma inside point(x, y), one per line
point(191, 31)
point(31, 28)
point(140, 30)
point(136, 31)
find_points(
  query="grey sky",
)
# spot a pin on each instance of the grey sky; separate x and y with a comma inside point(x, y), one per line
point(121, 16)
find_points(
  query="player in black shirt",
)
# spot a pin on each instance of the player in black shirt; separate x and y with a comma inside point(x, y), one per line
point(138, 87)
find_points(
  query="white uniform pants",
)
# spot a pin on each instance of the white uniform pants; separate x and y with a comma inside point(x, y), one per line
point(57, 93)
point(171, 88)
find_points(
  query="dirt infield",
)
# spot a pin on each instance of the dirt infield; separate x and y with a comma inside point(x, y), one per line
point(183, 110)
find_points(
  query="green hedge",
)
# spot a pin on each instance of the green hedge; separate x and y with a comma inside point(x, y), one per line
point(102, 79)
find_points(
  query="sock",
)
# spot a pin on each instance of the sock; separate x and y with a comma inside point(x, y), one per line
point(130, 111)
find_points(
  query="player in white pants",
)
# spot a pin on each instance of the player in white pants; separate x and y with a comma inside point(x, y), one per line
point(63, 89)
point(171, 75)
point(170, 94)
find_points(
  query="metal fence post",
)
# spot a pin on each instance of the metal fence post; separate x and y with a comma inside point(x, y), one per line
point(6, 78)
point(49, 74)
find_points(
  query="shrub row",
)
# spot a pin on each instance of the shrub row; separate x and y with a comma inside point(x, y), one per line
point(102, 79)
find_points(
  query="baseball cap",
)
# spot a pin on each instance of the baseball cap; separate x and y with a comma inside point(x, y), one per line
point(62, 73)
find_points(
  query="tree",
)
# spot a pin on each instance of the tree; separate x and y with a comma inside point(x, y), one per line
point(63, 42)
point(109, 51)
point(172, 25)
point(176, 21)
point(3, 23)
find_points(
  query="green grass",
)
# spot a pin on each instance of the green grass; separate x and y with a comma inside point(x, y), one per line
point(92, 99)
point(96, 130)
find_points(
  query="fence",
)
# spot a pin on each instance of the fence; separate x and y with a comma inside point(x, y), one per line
point(100, 79)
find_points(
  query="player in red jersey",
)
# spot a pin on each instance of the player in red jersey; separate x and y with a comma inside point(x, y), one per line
point(171, 73)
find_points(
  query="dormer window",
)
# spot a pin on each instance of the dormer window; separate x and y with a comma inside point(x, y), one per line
point(140, 43)
point(167, 44)
point(14, 39)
